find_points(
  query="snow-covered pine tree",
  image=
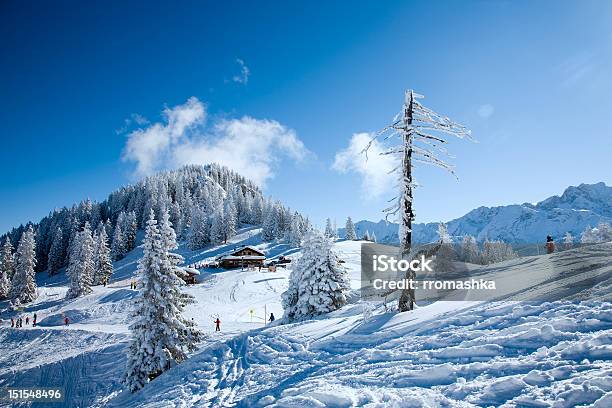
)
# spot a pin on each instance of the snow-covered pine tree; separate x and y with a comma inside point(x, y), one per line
point(268, 229)
point(568, 240)
point(296, 235)
point(81, 266)
point(318, 282)
point(129, 229)
point(445, 255)
point(469, 250)
point(373, 237)
point(199, 235)
point(496, 251)
point(103, 265)
point(23, 284)
point(601, 233)
point(161, 336)
point(57, 253)
point(5, 283)
point(329, 229)
point(349, 230)
point(7, 260)
point(366, 236)
point(118, 246)
point(217, 233)
point(230, 219)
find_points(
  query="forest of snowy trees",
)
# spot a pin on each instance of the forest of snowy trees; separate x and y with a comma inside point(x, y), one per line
point(206, 205)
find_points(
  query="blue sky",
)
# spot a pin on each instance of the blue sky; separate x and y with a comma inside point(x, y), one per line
point(531, 79)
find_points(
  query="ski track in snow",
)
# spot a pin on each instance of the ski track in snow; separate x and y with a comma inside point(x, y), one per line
point(460, 353)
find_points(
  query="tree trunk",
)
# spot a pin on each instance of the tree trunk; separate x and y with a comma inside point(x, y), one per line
point(407, 298)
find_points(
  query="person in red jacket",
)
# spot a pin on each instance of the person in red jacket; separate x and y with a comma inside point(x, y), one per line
point(217, 325)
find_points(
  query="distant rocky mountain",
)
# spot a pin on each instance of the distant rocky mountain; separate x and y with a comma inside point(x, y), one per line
point(577, 208)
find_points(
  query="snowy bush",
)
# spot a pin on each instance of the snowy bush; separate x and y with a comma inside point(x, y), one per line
point(318, 283)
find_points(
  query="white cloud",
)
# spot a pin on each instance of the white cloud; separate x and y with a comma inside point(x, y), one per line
point(247, 145)
point(243, 76)
point(486, 110)
point(374, 172)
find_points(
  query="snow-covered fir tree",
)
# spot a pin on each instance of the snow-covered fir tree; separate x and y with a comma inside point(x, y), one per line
point(568, 240)
point(217, 233)
point(469, 250)
point(496, 251)
point(373, 237)
point(129, 229)
point(445, 254)
point(270, 222)
point(349, 229)
point(81, 266)
point(23, 284)
point(103, 265)
point(118, 246)
point(199, 236)
point(57, 253)
point(318, 282)
point(366, 236)
point(329, 229)
point(296, 233)
point(601, 233)
point(443, 234)
point(7, 259)
point(161, 336)
point(230, 219)
point(5, 282)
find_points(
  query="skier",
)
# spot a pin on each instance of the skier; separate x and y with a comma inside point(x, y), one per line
point(550, 245)
point(12, 322)
point(271, 317)
point(27, 320)
point(217, 325)
point(34, 320)
point(66, 321)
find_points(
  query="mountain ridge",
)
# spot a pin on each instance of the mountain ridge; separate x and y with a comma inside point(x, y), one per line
point(572, 211)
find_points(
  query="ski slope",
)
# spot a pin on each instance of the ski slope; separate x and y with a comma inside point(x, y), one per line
point(446, 353)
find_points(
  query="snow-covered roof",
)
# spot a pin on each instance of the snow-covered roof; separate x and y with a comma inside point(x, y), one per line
point(252, 248)
point(191, 271)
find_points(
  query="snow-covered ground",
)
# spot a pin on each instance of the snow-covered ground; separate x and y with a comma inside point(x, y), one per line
point(447, 353)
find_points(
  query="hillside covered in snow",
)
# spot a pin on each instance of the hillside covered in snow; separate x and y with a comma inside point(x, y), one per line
point(543, 338)
point(446, 353)
point(573, 211)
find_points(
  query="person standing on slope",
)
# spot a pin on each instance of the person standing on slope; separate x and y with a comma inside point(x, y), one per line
point(550, 245)
point(271, 317)
point(217, 324)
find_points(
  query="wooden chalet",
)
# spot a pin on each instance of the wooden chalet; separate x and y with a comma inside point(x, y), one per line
point(243, 257)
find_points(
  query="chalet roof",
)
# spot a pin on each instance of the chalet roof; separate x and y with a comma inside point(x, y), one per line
point(191, 271)
point(252, 248)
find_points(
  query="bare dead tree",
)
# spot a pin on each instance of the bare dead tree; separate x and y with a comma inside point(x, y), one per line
point(422, 133)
